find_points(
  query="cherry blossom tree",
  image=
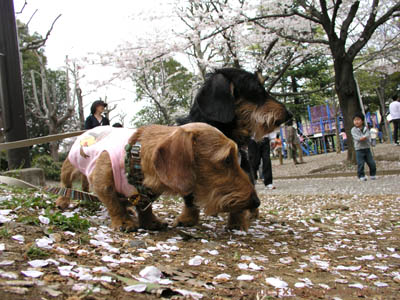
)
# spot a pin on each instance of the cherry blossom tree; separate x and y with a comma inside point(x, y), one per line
point(344, 27)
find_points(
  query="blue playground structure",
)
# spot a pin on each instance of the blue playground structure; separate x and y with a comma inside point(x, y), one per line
point(318, 132)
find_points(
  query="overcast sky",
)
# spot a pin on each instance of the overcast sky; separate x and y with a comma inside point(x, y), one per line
point(90, 26)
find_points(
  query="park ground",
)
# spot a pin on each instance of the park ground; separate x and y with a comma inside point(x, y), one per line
point(330, 237)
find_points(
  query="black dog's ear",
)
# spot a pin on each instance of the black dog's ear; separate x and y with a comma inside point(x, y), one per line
point(216, 99)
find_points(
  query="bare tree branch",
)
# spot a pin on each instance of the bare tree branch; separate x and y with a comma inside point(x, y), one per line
point(22, 9)
point(34, 45)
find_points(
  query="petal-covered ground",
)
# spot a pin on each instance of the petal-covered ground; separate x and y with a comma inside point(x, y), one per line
point(326, 238)
point(302, 246)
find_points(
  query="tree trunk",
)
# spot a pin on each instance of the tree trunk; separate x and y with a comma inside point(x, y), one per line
point(346, 90)
point(80, 108)
point(296, 98)
point(54, 150)
point(54, 146)
point(380, 91)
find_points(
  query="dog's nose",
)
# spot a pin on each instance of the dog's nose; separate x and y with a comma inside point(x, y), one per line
point(254, 201)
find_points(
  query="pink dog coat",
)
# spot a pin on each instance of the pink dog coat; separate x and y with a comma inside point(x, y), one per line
point(88, 146)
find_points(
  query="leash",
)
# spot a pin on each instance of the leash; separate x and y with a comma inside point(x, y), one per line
point(62, 191)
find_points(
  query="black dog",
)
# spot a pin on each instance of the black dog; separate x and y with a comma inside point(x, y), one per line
point(236, 102)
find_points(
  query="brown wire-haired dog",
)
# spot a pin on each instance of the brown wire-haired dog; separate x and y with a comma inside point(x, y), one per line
point(192, 159)
point(236, 102)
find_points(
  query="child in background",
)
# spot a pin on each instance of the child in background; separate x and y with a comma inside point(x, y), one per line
point(362, 145)
point(374, 135)
point(278, 148)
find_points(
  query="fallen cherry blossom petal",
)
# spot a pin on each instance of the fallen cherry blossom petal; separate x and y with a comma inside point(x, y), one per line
point(357, 285)
point(245, 277)
point(222, 277)
point(380, 284)
point(196, 261)
point(44, 220)
point(151, 273)
point(18, 238)
point(38, 263)
point(138, 288)
point(276, 282)
point(32, 273)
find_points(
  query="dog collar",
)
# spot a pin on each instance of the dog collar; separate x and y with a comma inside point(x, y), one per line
point(134, 174)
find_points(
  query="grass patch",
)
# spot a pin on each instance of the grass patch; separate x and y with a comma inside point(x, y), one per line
point(74, 223)
point(29, 220)
point(35, 252)
point(4, 232)
point(91, 207)
point(273, 212)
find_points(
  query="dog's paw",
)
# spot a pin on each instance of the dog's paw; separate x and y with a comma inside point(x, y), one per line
point(239, 221)
point(185, 222)
point(62, 202)
point(125, 224)
point(188, 218)
point(153, 224)
point(254, 213)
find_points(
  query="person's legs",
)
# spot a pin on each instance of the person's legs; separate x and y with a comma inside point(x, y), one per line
point(360, 157)
point(300, 153)
point(280, 155)
point(254, 157)
point(370, 162)
point(293, 152)
point(266, 161)
point(396, 123)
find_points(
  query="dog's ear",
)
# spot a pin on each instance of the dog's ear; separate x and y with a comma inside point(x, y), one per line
point(216, 99)
point(173, 161)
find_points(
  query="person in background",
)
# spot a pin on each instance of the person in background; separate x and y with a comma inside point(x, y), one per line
point(96, 117)
point(293, 141)
point(343, 137)
point(374, 135)
point(262, 151)
point(277, 148)
point(362, 145)
point(394, 109)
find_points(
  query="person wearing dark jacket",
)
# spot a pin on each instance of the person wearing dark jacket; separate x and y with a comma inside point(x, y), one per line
point(96, 118)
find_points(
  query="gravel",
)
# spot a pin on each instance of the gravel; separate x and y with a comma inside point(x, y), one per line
point(385, 185)
point(337, 164)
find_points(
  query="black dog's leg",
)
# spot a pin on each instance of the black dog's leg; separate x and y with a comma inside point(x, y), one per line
point(245, 164)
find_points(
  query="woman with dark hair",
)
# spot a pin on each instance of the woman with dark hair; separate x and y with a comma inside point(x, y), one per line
point(96, 118)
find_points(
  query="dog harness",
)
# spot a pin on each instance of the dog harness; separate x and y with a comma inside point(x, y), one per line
point(125, 161)
point(133, 168)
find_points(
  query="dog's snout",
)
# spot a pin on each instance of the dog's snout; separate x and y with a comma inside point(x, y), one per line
point(254, 200)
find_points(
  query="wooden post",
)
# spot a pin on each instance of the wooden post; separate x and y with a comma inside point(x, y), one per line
point(11, 95)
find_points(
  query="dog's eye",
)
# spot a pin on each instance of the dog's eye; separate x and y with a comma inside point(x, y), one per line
point(228, 161)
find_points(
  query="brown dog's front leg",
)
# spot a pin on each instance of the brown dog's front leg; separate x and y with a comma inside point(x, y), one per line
point(189, 215)
point(67, 176)
point(103, 185)
point(148, 220)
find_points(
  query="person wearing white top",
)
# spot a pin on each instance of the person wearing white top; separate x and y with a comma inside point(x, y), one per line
point(394, 109)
